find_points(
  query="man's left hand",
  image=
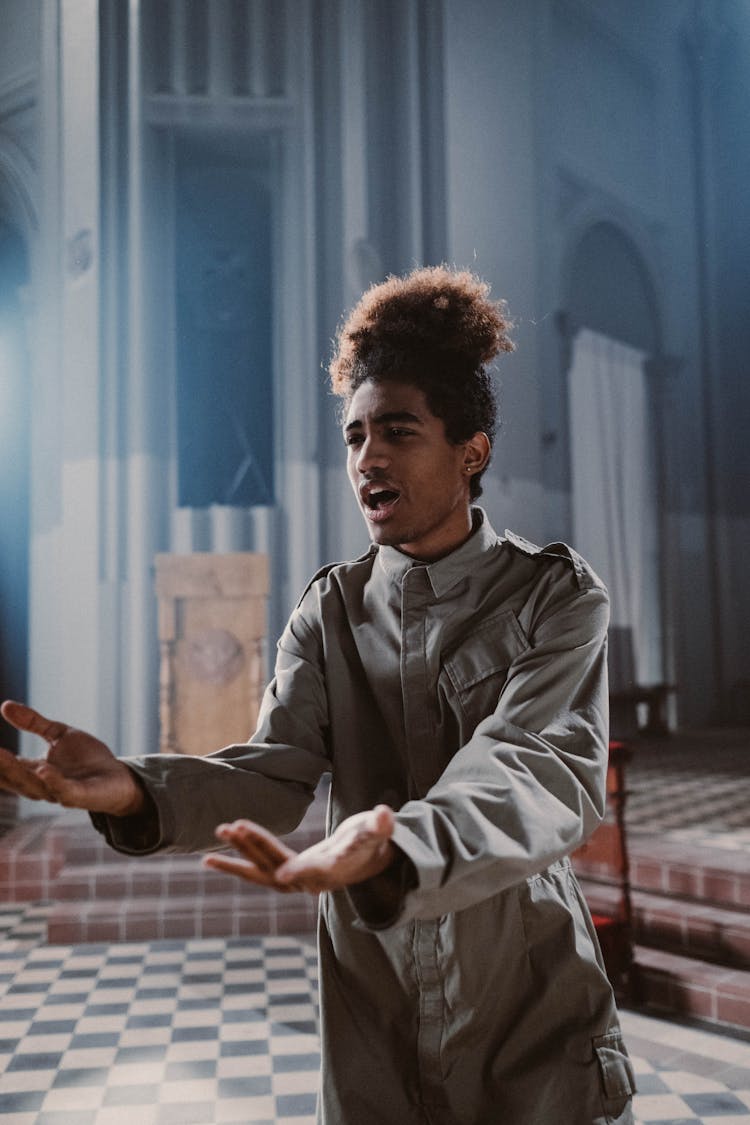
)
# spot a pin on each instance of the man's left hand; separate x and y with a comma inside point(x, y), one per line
point(359, 849)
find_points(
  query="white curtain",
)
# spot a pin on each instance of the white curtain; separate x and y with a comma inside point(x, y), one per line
point(615, 519)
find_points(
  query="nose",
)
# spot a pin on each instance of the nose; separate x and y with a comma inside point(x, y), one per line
point(371, 455)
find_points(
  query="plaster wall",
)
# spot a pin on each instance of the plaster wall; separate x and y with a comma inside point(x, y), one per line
point(19, 39)
point(491, 169)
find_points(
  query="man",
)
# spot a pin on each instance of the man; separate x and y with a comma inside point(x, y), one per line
point(454, 684)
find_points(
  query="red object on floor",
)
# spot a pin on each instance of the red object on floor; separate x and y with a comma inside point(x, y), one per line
point(605, 855)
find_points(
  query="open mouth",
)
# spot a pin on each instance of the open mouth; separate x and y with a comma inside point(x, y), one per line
point(380, 502)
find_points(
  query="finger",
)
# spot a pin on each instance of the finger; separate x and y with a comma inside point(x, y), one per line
point(241, 868)
point(65, 791)
point(21, 777)
point(270, 855)
point(255, 843)
point(26, 718)
point(243, 836)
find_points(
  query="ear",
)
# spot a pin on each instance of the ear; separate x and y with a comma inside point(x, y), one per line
point(477, 452)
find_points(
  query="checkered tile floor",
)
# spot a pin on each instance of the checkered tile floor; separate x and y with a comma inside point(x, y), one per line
point(174, 1032)
point(213, 1031)
point(686, 1076)
point(694, 786)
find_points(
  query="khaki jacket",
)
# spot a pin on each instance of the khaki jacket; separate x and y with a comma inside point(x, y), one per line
point(465, 986)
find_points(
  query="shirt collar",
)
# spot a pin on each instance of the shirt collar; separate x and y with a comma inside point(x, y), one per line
point(445, 572)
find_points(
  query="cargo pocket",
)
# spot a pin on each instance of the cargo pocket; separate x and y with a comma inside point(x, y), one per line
point(616, 1072)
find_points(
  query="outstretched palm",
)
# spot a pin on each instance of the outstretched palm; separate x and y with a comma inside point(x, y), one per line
point(359, 849)
point(78, 772)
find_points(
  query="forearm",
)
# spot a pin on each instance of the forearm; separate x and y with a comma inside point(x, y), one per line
point(186, 798)
point(469, 840)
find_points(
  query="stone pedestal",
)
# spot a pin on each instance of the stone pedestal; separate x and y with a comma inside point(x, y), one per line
point(212, 629)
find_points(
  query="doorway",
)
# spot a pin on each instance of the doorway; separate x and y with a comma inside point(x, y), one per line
point(615, 487)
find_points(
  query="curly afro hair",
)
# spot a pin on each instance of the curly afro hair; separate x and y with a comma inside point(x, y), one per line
point(437, 329)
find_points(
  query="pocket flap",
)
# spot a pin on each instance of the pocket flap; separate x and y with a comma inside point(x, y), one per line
point(616, 1069)
point(486, 650)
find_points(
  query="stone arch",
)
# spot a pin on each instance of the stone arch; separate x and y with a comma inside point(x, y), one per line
point(610, 274)
point(608, 287)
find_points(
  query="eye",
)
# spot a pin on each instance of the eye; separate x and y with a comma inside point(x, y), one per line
point(353, 439)
point(399, 432)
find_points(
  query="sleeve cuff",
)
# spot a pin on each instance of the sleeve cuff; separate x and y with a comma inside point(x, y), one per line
point(379, 902)
point(133, 835)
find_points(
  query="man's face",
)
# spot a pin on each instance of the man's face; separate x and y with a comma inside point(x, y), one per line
point(411, 483)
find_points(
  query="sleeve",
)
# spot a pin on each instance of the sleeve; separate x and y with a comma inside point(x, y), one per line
point(526, 789)
point(270, 779)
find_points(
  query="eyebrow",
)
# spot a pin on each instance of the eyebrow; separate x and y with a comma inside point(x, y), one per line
point(388, 418)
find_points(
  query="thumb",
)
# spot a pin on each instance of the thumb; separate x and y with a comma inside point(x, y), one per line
point(13, 712)
point(26, 718)
point(384, 821)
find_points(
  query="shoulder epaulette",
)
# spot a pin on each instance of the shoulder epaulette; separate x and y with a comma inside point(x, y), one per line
point(328, 567)
point(585, 576)
point(521, 544)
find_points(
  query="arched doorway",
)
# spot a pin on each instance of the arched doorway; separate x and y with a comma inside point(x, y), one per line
point(14, 471)
point(609, 288)
point(615, 493)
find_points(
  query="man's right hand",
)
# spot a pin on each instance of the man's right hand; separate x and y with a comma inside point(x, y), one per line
point(79, 771)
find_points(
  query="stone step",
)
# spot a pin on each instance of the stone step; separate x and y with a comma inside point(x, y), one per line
point(687, 987)
point(101, 895)
point(132, 878)
point(681, 869)
point(250, 910)
point(40, 859)
point(693, 929)
point(8, 812)
point(29, 860)
point(711, 876)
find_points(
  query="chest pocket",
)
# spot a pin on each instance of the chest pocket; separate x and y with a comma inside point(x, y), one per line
point(477, 668)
